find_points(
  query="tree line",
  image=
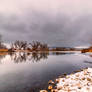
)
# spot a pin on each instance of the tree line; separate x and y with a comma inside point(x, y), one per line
point(24, 45)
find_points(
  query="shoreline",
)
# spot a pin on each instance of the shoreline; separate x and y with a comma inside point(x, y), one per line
point(79, 81)
point(7, 50)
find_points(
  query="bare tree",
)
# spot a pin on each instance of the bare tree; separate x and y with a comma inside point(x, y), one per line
point(19, 45)
point(35, 45)
point(2, 46)
point(44, 46)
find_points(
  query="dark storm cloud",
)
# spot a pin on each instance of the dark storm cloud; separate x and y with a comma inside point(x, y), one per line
point(54, 27)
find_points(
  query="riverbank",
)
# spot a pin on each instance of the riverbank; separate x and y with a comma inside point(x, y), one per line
point(13, 50)
point(81, 81)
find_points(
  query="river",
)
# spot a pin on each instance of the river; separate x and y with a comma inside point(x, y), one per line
point(30, 72)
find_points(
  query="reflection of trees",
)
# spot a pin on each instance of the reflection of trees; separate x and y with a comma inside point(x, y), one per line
point(2, 46)
point(38, 56)
point(1, 57)
point(89, 62)
point(18, 57)
point(58, 53)
point(23, 57)
point(61, 53)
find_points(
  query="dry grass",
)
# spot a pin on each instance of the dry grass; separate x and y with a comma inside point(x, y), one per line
point(3, 50)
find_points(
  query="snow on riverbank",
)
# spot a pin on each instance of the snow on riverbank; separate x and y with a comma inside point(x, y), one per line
point(77, 82)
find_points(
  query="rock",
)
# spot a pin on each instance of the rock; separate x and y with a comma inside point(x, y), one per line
point(57, 80)
point(63, 80)
point(83, 78)
point(43, 91)
point(88, 79)
point(50, 87)
point(59, 88)
point(54, 90)
point(51, 82)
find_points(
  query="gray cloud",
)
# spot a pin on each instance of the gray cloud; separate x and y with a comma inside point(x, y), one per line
point(47, 21)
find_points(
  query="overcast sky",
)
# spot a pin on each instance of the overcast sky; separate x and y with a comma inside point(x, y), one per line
point(56, 22)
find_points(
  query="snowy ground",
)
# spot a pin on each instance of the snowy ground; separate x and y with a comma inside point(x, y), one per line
point(77, 82)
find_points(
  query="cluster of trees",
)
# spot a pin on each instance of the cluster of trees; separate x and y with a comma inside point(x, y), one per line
point(34, 46)
point(20, 45)
point(24, 45)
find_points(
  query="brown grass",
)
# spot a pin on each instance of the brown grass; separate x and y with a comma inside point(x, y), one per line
point(3, 50)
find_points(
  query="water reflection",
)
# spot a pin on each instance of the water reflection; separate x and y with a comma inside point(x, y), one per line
point(20, 57)
point(17, 75)
point(2, 56)
point(62, 53)
point(23, 57)
point(89, 62)
point(38, 56)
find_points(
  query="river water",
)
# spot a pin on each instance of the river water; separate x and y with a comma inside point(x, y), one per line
point(30, 72)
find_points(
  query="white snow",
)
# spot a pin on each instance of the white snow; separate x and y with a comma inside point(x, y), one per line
point(78, 82)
